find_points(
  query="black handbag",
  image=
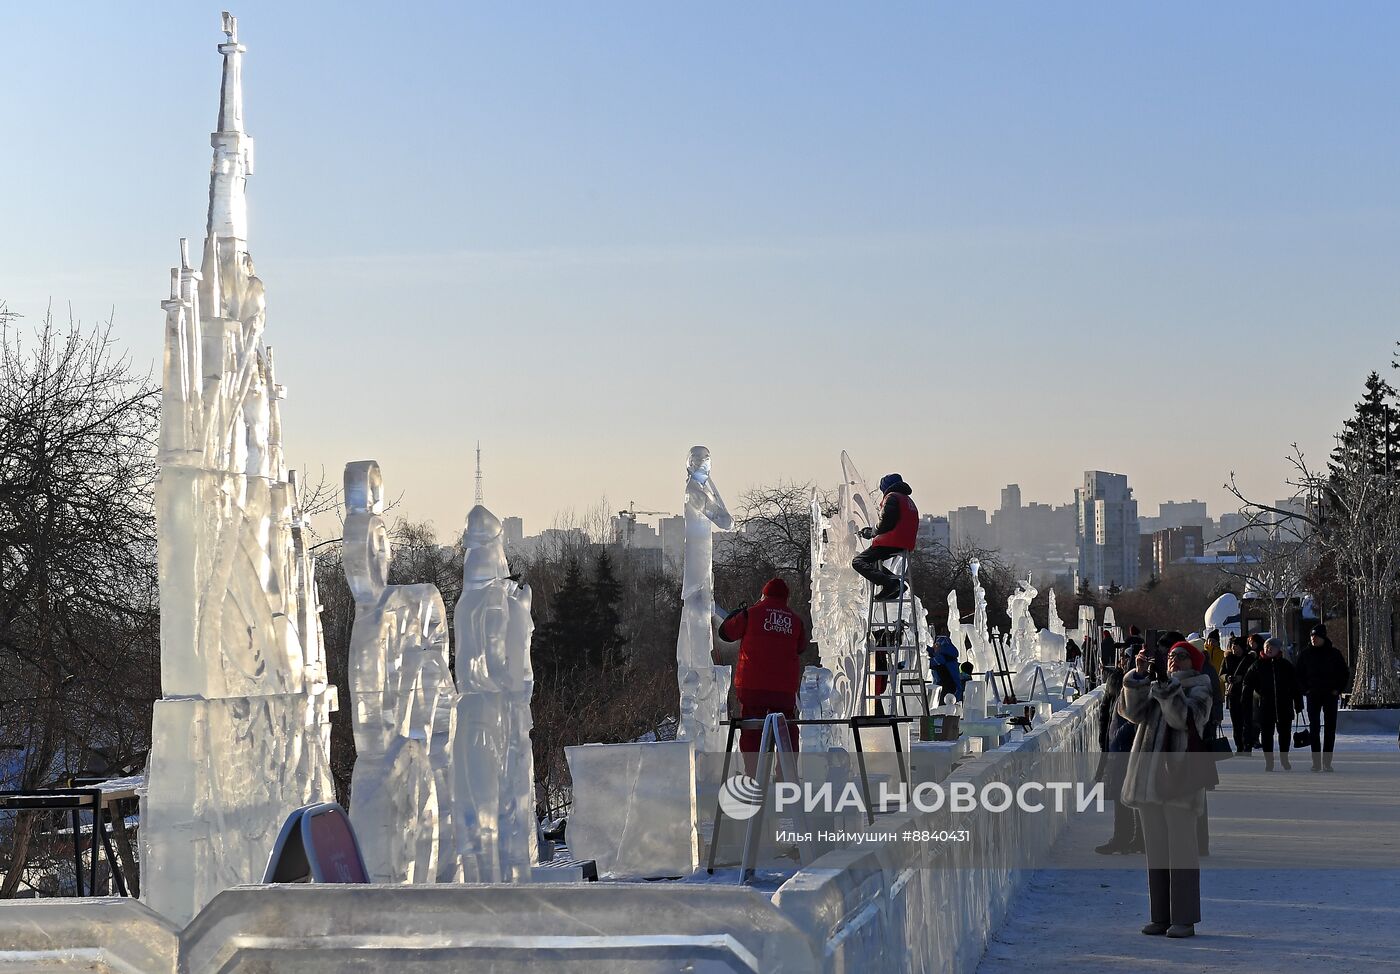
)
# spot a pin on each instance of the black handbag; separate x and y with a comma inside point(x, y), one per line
point(1182, 773)
point(1219, 745)
point(1301, 738)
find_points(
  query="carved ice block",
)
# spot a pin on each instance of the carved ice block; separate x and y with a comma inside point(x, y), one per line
point(219, 789)
point(634, 805)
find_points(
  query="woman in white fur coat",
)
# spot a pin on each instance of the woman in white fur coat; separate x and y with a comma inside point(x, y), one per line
point(1163, 702)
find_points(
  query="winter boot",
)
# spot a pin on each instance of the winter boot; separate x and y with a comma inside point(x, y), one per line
point(888, 593)
point(1327, 761)
point(1283, 759)
point(1317, 761)
point(1268, 760)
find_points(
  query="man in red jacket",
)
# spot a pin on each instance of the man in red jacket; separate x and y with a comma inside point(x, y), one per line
point(897, 531)
point(770, 637)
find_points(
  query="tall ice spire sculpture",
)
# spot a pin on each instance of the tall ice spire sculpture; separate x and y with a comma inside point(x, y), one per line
point(242, 735)
point(704, 687)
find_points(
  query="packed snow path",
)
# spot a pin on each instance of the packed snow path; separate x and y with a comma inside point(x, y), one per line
point(1304, 876)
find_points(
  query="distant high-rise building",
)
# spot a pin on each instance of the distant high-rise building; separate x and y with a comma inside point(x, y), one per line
point(1108, 531)
point(1180, 514)
point(968, 526)
point(934, 532)
point(1008, 523)
point(513, 530)
point(1174, 545)
point(672, 540)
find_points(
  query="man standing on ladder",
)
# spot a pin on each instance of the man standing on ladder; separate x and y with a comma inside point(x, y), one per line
point(898, 531)
point(770, 637)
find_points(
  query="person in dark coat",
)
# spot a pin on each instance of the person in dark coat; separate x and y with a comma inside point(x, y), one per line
point(1276, 695)
point(1115, 741)
point(1241, 703)
point(1324, 676)
point(1108, 651)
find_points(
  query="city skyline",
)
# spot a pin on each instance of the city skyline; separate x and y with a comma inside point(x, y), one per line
point(1136, 287)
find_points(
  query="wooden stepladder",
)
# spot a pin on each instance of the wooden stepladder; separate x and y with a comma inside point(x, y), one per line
point(894, 670)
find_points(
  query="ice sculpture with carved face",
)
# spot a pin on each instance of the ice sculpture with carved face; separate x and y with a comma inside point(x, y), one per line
point(494, 765)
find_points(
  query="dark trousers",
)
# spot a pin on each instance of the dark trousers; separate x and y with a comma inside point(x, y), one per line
point(1203, 826)
point(867, 564)
point(1281, 724)
point(1323, 705)
point(759, 704)
point(1242, 719)
point(1173, 864)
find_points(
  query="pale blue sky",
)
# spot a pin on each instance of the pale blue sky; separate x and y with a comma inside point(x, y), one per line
point(1160, 240)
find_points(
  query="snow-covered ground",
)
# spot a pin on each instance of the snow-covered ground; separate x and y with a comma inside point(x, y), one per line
point(1304, 876)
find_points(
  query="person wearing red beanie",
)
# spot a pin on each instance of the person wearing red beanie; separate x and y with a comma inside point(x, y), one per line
point(1172, 710)
point(1198, 658)
point(770, 637)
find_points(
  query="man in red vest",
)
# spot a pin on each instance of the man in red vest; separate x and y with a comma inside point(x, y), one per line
point(771, 637)
point(897, 531)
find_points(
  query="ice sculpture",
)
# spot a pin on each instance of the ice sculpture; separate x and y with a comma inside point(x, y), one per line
point(980, 652)
point(493, 765)
point(242, 735)
point(955, 623)
point(704, 686)
point(403, 701)
point(1051, 641)
point(840, 597)
point(1023, 637)
point(1055, 624)
point(814, 703)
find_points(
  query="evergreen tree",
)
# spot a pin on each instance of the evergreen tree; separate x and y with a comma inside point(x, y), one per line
point(1373, 432)
point(560, 644)
point(604, 638)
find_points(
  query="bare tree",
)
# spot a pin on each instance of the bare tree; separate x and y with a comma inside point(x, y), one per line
point(1350, 515)
point(79, 637)
point(1284, 561)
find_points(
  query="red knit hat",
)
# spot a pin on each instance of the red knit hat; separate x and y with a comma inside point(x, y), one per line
point(1198, 658)
point(776, 589)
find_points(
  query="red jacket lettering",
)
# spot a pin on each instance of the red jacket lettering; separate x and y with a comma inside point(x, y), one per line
point(771, 637)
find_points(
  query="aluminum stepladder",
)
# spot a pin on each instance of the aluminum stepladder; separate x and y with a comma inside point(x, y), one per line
point(774, 748)
point(894, 652)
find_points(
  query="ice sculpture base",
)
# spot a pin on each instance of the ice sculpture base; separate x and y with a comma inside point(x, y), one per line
point(634, 808)
point(932, 761)
point(216, 764)
point(619, 928)
point(102, 935)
